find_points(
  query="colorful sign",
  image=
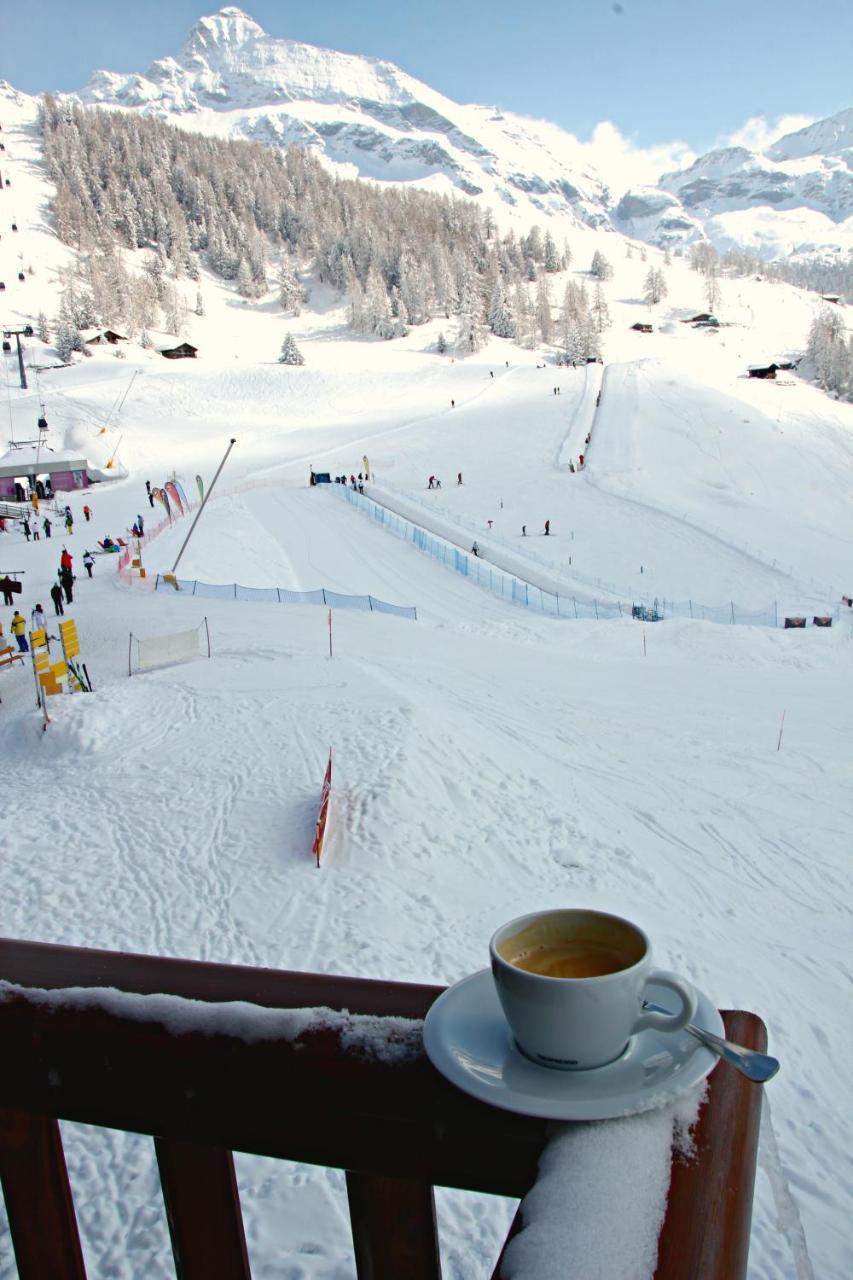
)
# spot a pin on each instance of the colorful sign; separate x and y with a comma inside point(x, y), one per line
point(325, 796)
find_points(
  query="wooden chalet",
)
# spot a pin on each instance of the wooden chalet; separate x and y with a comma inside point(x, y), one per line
point(831, 297)
point(702, 318)
point(101, 337)
point(397, 1129)
point(178, 351)
point(762, 370)
point(642, 328)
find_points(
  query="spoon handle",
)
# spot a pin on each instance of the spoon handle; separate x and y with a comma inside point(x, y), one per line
point(758, 1067)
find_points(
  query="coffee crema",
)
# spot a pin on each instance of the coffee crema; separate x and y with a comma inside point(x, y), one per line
point(570, 959)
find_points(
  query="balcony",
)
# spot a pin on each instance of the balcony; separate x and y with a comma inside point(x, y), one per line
point(398, 1129)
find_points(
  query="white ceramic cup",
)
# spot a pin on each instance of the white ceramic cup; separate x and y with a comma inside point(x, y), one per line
point(574, 1023)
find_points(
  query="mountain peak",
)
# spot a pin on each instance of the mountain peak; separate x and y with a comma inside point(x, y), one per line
point(229, 28)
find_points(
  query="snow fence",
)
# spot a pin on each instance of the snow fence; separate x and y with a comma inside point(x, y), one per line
point(517, 591)
point(281, 595)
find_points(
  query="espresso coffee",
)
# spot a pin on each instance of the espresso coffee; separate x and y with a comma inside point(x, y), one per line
point(570, 959)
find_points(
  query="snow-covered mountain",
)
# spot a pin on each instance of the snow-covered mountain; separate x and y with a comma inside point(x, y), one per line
point(364, 115)
point(368, 118)
point(796, 197)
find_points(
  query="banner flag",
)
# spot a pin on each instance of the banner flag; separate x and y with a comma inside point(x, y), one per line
point(366, 465)
point(163, 498)
point(182, 495)
point(173, 494)
point(200, 484)
point(320, 829)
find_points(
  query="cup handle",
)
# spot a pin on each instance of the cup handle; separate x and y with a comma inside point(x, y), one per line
point(666, 1021)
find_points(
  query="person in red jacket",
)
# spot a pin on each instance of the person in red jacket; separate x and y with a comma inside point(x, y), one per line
point(65, 559)
point(547, 528)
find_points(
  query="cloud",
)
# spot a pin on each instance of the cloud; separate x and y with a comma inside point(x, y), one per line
point(624, 165)
point(758, 133)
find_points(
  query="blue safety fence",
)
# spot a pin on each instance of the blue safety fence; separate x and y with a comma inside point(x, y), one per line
point(517, 591)
point(281, 595)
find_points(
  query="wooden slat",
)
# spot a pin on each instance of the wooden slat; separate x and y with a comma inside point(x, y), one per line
point(705, 1234)
point(203, 1211)
point(706, 1230)
point(393, 1228)
point(38, 1198)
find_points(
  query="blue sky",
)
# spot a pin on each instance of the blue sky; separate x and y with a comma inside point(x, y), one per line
point(657, 69)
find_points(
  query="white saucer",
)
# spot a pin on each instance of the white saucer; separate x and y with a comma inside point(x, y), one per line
point(467, 1039)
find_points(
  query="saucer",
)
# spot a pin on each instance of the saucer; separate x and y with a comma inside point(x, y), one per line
point(468, 1040)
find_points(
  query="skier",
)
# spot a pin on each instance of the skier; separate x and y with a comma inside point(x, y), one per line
point(524, 531)
point(69, 525)
point(431, 482)
point(580, 461)
point(19, 627)
point(459, 477)
point(140, 523)
point(65, 560)
point(547, 528)
point(87, 512)
point(39, 621)
point(491, 373)
point(56, 597)
point(66, 578)
point(475, 550)
point(453, 404)
point(437, 483)
point(88, 562)
point(27, 530)
point(47, 527)
point(572, 467)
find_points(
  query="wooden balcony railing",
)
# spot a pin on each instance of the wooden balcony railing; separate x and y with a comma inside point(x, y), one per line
point(397, 1130)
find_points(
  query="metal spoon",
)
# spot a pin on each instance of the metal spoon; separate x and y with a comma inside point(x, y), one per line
point(755, 1066)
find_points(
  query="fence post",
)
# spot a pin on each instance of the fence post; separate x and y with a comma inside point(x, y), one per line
point(595, 607)
point(775, 615)
point(732, 603)
point(575, 603)
point(278, 595)
point(195, 584)
point(690, 606)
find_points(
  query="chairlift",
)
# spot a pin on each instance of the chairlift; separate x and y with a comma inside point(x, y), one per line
point(42, 422)
point(28, 330)
point(7, 346)
point(14, 226)
point(2, 284)
point(21, 275)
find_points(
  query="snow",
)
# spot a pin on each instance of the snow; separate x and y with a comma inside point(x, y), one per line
point(489, 761)
point(622, 1163)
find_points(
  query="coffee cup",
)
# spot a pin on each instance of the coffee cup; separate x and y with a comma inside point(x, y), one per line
point(571, 984)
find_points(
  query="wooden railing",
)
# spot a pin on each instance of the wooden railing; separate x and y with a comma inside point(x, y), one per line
point(397, 1129)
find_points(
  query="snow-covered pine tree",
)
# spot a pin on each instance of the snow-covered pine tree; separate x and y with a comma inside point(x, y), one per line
point(441, 344)
point(291, 295)
point(600, 267)
point(600, 311)
point(500, 318)
point(551, 259)
point(544, 321)
point(68, 340)
point(290, 353)
point(43, 327)
point(199, 303)
point(654, 287)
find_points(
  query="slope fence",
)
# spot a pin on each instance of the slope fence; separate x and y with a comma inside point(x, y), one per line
point(516, 590)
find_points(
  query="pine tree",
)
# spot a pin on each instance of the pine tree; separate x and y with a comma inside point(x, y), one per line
point(68, 340)
point(500, 317)
point(600, 267)
point(42, 327)
point(544, 322)
point(441, 344)
point(290, 353)
point(600, 312)
point(291, 295)
point(551, 260)
point(654, 286)
point(199, 303)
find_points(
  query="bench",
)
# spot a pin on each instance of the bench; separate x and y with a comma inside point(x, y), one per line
point(9, 655)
